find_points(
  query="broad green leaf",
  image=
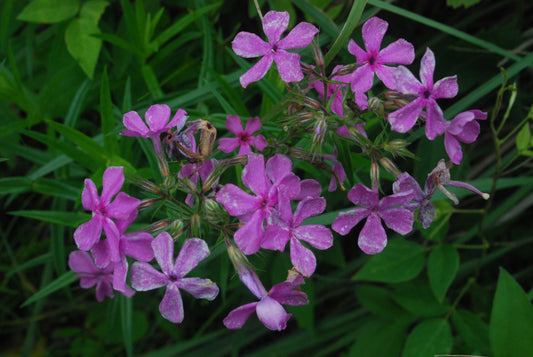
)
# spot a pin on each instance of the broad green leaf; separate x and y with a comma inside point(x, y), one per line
point(443, 263)
point(402, 260)
point(70, 219)
point(379, 301)
point(49, 11)
point(379, 337)
point(523, 138)
point(457, 3)
point(429, 338)
point(93, 10)
point(84, 47)
point(472, 330)
point(417, 298)
point(511, 322)
point(62, 281)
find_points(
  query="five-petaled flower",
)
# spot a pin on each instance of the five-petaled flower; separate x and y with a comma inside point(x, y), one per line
point(373, 239)
point(244, 140)
point(157, 119)
point(145, 277)
point(249, 45)
point(425, 94)
point(463, 128)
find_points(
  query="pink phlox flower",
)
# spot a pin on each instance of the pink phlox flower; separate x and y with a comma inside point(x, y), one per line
point(269, 308)
point(145, 277)
point(156, 117)
point(425, 94)
point(420, 199)
point(373, 239)
point(288, 227)
point(136, 245)
point(333, 89)
point(255, 208)
point(192, 171)
point(374, 60)
point(337, 168)
point(104, 211)
point(91, 275)
point(249, 45)
point(244, 140)
point(463, 128)
point(440, 177)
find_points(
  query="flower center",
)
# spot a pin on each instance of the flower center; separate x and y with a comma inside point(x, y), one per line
point(172, 277)
point(274, 47)
point(244, 138)
point(427, 93)
point(372, 60)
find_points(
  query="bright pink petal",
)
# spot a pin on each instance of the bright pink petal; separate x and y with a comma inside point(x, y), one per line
point(446, 88)
point(163, 246)
point(113, 239)
point(362, 78)
point(245, 149)
point(258, 71)
point(277, 167)
point(302, 258)
point(138, 245)
point(403, 119)
point(373, 31)
point(453, 148)
point(157, 117)
point(252, 125)
point(177, 121)
point(372, 239)
point(250, 279)
point(317, 235)
point(237, 317)
point(361, 195)
point(288, 64)
point(260, 143)
point(81, 262)
point(120, 270)
point(435, 123)
point(427, 67)
point(362, 102)
point(398, 52)
point(122, 207)
point(249, 45)
point(406, 82)
point(103, 289)
point(89, 196)
point(300, 36)
point(272, 314)
point(199, 288)
point(233, 124)
point(386, 75)
point(308, 208)
point(276, 238)
point(399, 220)
point(404, 183)
point(253, 175)
point(236, 201)
point(469, 132)
point(345, 221)
point(123, 224)
point(191, 254)
point(398, 199)
point(274, 24)
point(171, 307)
point(111, 183)
point(88, 233)
point(249, 237)
point(101, 253)
point(357, 51)
point(286, 293)
point(134, 124)
point(309, 188)
point(145, 277)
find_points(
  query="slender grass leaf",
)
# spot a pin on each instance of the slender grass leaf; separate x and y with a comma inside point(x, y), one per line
point(126, 323)
point(69, 219)
point(120, 42)
point(57, 188)
point(402, 260)
point(78, 101)
point(231, 94)
point(49, 11)
point(151, 81)
point(443, 263)
point(429, 338)
point(39, 260)
point(106, 113)
point(511, 321)
point(10, 185)
point(62, 281)
point(50, 166)
point(323, 22)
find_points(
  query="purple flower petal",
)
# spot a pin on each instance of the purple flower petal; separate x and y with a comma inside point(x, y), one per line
point(453, 148)
point(123, 224)
point(177, 121)
point(277, 167)
point(120, 270)
point(398, 219)
point(260, 143)
point(300, 36)
point(372, 239)
point(250, 279)
point(123, 206)
point(288, 64)
point(157, 117)
point(237, 317)
point(163, 246)
point(111, 184)
point(435, 123)
point(302, 258)
point(345, 221)
point(249, 237)
point(236, 201)
point(113, 239)
point(285, 293)
point(403, 119)
point(103, 289)
point(100, 251)
point(135, 125)
point(249, 45)
point(309, 188)
point(400, 52)
point(145, 277)
point(308, 208)
point(199, 288)
point(171, 307)
point(427, 67)
point(317, 235)
point(427, 213)
point(446, 88)
point(245, 149)
point(373, 31)
point(88, 233)
point(398, 199)
point(357, 51)
point(253, 175)
point(89, 196)
point(362, 78)
point(406, 82)
point(138, 245)
point(272, 314)
point(276, 238)
point(252, 125)
point(191, 254)
point(361, 195)
point(81, 262)
point(258, 71)
point(233, 124)
point(386, 75)
point(274, 24)
point(406, 182)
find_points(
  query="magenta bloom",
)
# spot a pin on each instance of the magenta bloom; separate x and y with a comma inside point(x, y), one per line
point(463, 128)
point(425, 94)
point(287, 227)
point(145, 277)
point(421, 199)
point(268, 308)
point(244, 138)
point(374, 60)
point(249, 45)
point(373, 239)
point(104, 211)
point(332, 89)
point(91, 275)
point(157, 117)
point(264, 183)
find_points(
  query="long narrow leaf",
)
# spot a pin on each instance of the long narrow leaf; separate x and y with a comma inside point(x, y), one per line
point(62, 281)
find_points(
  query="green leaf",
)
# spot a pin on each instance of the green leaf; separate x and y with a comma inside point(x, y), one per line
point(523, 138)
point(429, 338)
point(9, 185)
point(126, 308)
point(443, 263)
point(62, 281)
point(81, 45)
point(402, 260)
point(379, 337)
point(511, 322)
point(379, 301)
point(108, 121)
point(49, 11)
point(417, 298)
point(472, 330)
point(70, 219)
point(318, 17)
point(93, 10)
point(457, 3)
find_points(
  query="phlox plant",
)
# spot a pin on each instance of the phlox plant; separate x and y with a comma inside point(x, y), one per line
point(328, 170)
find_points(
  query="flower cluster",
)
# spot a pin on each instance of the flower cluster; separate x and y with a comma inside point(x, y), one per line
point(268, 205)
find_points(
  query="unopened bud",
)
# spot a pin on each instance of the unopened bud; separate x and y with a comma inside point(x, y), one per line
point(311, 103)
point(147, 203)
point(374, 104)
point(389, 166)
point(398, 147)
point(196, 225)
point(176, 227)
point(306, 68)
point(214, 211)
point(305, 117)
point(374, 174)
point(158, 226)
point(163, 165)
point(392, 94)
point(344, 70)
point(317, 55)
point(146, 184)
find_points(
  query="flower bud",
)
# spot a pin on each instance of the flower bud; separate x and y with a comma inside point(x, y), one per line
point(374, 174)
point(374, 104)
point(306, 68)
point(163, 166)
point(158, 226)
point(317, 55)
point(196, 225)
point(389, 166)
point(311, 103)
point(392, 94)
point(176, 227)
point(147, 203)
point(344, 70)
point(398, 147)
point(214, 212)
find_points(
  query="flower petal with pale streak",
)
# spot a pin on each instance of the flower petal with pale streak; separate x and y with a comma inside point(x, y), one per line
point(309, 208)
point(272, 314)
point(361, 195)
point(177, 121)
point(249, 45)
point(191, 254)
point(145, 277)
point(406, 82)
point(88, 233)
point(138, 245)
point(357, 51)
point(300, 36)
point(111, 183)
point(398, 219)
point(373, 31)
point(89, 196)
point(453, 148)
point(171, 307)
point(258, 71)
point(237, 317)
point(135, 125)
point(122, 206)
point(249, 237)
point(276, 238)
point(199, 288)
point(286, 293)
point(386, 75)
point(400, 52)
point(100, 251)
point(362, 78)
point(403, 119)
point(302, 258)
point(163, 246)
point(157, 117)
point(427, 67)
point(435, 123)
point(406, 182)
point(345, 221)
point(277, 167)
point(309, 188)
point(81, 262)
point(253, 175)
point(446, 88)
point(288, 64)
point(120, 270)
point(372, 239)
point(274, 24)
point(250, 279)
point(236, 201)
point(317, 235)
point(397, 199)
